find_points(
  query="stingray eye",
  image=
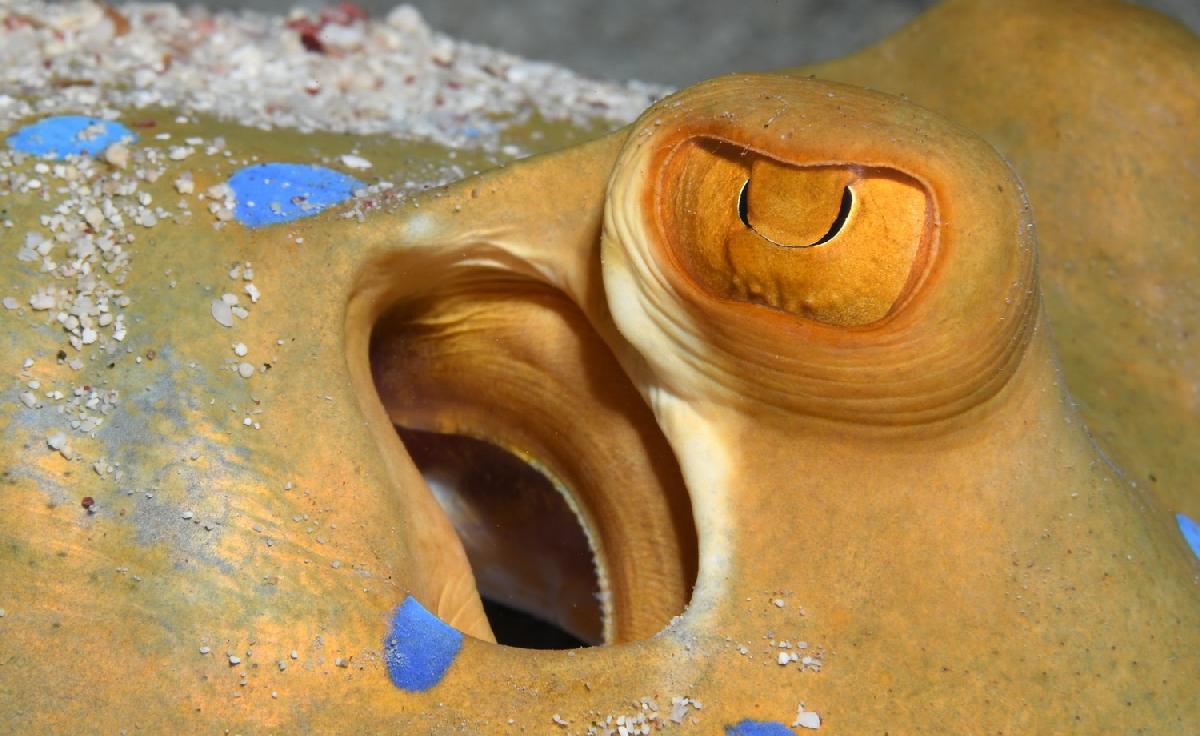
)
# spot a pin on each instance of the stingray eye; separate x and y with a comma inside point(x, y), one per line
point(835, 244)
point(789, 204)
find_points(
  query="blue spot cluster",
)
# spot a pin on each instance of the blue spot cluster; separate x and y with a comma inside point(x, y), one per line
point(758, 728)
point(1191, 531)
point(268, 194)
point(68, 135)
point(419, 647)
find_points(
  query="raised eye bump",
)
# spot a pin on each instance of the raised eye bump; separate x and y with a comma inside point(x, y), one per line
point(913, 312)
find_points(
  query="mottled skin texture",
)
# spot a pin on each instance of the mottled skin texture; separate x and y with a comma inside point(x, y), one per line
point(919, 491)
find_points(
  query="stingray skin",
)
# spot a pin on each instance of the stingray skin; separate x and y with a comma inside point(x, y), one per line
point(1098, 123)
point(842, 423)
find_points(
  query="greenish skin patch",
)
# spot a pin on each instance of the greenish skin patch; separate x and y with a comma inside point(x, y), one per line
point(159, 583)
point(393, 159)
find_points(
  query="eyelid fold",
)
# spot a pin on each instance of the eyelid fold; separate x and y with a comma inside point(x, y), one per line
point(915, 310)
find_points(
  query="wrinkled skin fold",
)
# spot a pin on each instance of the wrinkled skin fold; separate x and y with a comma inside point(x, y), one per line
point(789, 346)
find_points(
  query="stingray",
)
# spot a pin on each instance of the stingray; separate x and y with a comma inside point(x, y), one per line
point(802, 353)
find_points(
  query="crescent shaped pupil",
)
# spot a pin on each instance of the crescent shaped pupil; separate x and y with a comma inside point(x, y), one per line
point(836, 227)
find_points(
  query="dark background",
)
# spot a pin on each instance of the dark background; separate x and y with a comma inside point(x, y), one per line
point(673, 42)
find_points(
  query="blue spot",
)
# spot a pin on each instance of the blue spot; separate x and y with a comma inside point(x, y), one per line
point(758, 728)
point(66, 135)
point(419, 647)
point(271, 193)
point(1191, 531)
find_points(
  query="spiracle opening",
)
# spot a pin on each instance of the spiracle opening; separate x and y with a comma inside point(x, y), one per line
point(568, 501)
point(534, 565)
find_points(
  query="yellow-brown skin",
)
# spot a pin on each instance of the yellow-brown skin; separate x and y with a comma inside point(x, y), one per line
point(918, 491)
point(1095, 105)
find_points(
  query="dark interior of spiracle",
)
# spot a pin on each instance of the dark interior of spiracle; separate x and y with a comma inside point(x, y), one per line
point(533, 564)
point(559, 561)
point(833, 243)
